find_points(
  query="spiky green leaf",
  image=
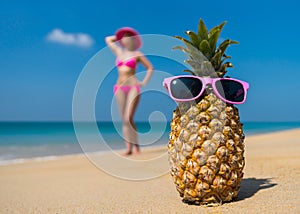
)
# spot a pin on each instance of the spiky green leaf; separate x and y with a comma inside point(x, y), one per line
point(216, 59)
point(202, 31)
point(213, 39)
point(193, 37)
point(225, 57)
point(207, 68)
point(189, 71)
point(224, 45)
point(194, 64)
point(204, 47)
point(180, 48)
point(183, 39)
point(195, 53)
point(224, 67)
point(220, 73)
point(201, 69)
point(228, 64)
point(218, 27)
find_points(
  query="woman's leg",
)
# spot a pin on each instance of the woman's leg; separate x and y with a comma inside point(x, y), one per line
point(121, 100)
point(132, 101)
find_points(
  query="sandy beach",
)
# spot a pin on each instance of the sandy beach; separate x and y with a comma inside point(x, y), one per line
point(112, 184)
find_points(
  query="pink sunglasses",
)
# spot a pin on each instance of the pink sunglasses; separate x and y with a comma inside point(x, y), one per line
point(187, 88)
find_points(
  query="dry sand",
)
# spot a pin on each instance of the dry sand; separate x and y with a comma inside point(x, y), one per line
point(75, 184)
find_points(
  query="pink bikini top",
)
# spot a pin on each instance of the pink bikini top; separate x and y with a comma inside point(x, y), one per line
point(130, 62)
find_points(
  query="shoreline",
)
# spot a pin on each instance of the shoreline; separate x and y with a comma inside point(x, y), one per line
point(6, 162)
point(71, 155)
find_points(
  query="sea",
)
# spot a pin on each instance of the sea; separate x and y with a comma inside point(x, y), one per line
point(20, 141)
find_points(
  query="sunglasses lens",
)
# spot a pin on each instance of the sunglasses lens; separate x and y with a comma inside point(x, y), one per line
point(231, 90)
point(186, 87)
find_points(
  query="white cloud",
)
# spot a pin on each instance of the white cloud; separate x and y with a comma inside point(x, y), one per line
point(77, 39)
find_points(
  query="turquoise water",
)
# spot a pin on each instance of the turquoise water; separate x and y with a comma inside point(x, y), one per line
point(19, 140)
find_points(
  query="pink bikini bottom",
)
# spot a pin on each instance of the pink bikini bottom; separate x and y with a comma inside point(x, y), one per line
point(126, 88)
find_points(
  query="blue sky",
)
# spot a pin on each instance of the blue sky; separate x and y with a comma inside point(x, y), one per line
point(38, 74)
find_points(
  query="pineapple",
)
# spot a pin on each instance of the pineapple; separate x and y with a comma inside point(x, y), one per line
point(206, 142)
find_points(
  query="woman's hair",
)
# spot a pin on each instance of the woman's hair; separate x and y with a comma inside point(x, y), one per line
point(128, 34)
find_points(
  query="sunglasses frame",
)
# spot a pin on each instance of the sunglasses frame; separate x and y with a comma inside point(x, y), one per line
point(205, 81)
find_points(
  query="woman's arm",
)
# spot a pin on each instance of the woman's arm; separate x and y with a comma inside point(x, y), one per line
point(149, 68)
point(111, 42)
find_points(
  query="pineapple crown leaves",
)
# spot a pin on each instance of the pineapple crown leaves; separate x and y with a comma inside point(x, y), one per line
point(204, 56)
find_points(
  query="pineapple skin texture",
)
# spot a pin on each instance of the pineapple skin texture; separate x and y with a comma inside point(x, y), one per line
point(206, 151)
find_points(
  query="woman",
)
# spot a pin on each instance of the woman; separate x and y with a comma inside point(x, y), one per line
point(127, 87)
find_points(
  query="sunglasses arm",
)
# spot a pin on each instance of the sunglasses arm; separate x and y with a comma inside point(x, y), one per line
point(165, 84)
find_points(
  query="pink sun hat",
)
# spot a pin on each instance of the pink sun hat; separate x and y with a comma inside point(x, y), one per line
point(120, 33)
